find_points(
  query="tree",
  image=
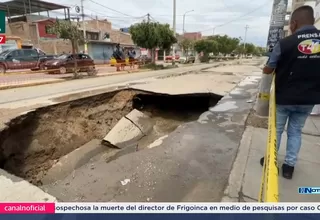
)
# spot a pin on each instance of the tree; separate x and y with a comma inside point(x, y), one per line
point(225, 44)
point(186, 45)
point(166, 36)
point(152, 35)
point(69, 31)
point(206, 46)
point(250, 48)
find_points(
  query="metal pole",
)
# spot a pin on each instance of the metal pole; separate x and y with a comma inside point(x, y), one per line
point(85, 46)
point(276, 23)
point(245, 37)
point(184, 18)
point(174, 30)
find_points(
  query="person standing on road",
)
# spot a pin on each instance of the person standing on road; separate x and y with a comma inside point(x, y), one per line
point(295, 61)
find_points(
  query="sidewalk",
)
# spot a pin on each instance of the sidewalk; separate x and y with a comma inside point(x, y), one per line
point(247, 170)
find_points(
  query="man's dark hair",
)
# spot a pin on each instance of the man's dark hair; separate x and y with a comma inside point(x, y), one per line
point(303, 15)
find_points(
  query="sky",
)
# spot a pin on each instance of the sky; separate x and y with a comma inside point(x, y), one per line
point(208, 16)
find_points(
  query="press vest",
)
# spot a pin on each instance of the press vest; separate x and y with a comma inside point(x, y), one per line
point(298, 70)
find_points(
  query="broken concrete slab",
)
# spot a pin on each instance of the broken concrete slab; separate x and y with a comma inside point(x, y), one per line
point(141, 120)
point(129, 129)
point(73, 160)
point(15, 189)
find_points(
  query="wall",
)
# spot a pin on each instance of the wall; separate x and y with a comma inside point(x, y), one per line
point(117, 36)
point(57, 46)
point(42, 29)
point(19, 29)
point(193, 36)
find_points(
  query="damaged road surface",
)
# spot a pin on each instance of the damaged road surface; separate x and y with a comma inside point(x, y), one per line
point(187, 166)
point(138, 144)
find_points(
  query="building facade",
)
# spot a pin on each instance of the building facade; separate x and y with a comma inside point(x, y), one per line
point(193, 35)
point(296, 4)
point(35, 30)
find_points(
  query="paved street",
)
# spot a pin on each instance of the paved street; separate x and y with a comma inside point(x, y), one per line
point(192, 164)
point(54, 90)
point(188, 166)
point(20, 77)
point(11, 79)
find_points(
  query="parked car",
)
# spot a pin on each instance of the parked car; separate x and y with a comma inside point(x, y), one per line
point(168, 59)
point(65, 63)
point(17, 59)
point(187, 59)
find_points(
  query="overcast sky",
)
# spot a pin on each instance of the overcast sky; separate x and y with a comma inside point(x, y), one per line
point(232, 15)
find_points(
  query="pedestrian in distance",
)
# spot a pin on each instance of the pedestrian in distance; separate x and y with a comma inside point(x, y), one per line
point(295, 61)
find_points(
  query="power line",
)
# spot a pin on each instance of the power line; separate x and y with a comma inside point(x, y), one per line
point(111, 9)
point(236, 19)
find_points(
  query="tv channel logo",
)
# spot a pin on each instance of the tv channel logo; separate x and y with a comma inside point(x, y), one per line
point(309, 190)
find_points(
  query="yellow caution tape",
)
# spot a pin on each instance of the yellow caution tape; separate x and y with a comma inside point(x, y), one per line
point(264, 96)
point(269, 191)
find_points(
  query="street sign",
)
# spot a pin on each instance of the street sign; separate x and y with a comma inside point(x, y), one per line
point(2, 22)
point(77, 8)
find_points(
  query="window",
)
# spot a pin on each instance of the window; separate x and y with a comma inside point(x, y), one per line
point(31, 53)
point(17, 53)
point(48, 29)
point(92, 36)
point(83, 56)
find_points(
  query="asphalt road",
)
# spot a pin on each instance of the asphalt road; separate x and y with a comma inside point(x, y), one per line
point(22, 77)
point(9, 78)
point(52, 90)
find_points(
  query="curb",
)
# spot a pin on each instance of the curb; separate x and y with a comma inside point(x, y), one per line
point(64, 80)
point(237, 173)
point(31, 84)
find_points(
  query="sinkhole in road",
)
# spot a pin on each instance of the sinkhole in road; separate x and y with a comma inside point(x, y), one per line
point(32, 143)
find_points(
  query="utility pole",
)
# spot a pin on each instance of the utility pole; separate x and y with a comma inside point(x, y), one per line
point(85, 46)
point(245, 37)
point(174, 30)
point(277, 23)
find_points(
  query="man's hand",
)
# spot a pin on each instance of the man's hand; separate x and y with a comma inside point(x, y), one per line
point(267, 70)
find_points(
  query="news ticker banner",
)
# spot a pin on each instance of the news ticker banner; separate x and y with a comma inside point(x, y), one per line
point(160, 208)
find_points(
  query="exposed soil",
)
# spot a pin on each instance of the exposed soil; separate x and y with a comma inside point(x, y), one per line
point(32, 143)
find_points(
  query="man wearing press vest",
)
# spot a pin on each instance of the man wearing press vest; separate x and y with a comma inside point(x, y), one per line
point(295, 61)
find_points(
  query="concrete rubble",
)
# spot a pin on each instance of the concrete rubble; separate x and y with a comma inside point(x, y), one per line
point(130, 129)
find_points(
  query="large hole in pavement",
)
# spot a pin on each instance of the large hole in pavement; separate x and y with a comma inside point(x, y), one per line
point(33, 142)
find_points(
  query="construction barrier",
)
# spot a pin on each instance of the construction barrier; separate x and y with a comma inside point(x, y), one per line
point(269, 191)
